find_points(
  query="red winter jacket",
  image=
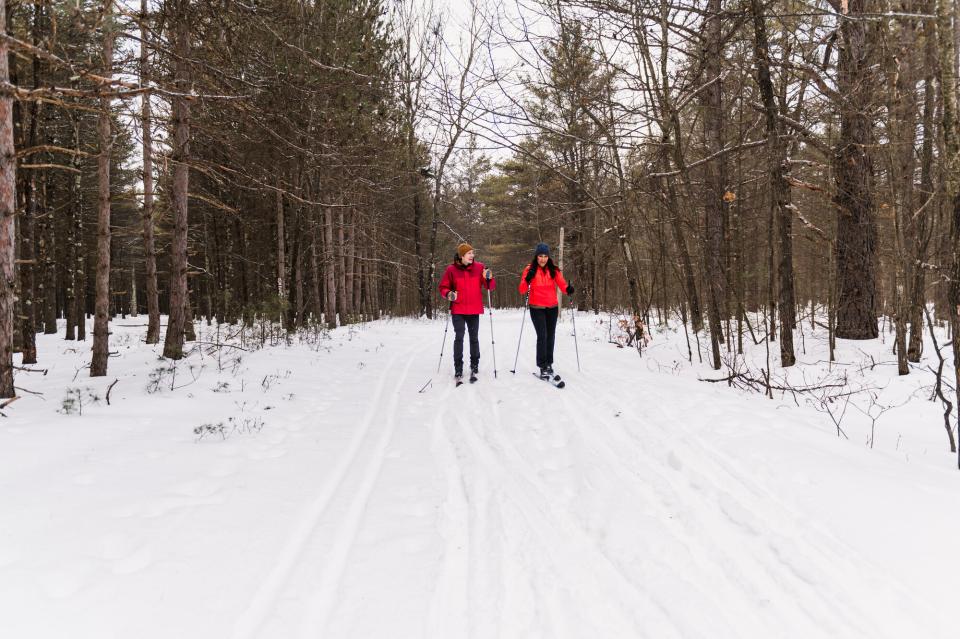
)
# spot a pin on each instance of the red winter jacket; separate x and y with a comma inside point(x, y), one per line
point(543, 288)
point(469, 283)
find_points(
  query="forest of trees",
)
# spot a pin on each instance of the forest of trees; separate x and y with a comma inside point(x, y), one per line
point(736, 165)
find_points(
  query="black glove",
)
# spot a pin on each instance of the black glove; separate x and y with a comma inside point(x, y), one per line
point(530, 274)
point(569, 289)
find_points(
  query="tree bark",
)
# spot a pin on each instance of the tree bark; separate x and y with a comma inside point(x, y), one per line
point(48, 257)
point(951, 143)
point(349, 252)
point(714, 176)
point(343, 299)
point(330, 311)
point(101, 322)
point(149, 249)
point(8, 211)
point(317, 305)
point(422, 287)
point(176, 324)
point(782, 200)
point(856, 228)
point(929, 198)
point(28, 255)
point(299, 306)
point(73, 257)
point(903, 129)
point(281, 255)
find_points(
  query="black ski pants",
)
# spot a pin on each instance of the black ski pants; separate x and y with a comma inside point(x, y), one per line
point(472, 324)
point(545, 323)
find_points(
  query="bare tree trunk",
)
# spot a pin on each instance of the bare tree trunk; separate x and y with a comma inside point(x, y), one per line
point(74, 212)
point(240, 267)
point(28, 254)
point(176, 324)
point(281, 263)
point(781, 194)
point(853, 164)
point(714, 176)
point(903, 128)
point(683, 253)
point(422, 287)
point(149, 250)
point(81, 266)
point(930, 201)
point(298, 275)
point(134, 306)
point(342, 298)
point(101, 322)
point(350, 250)
point(211, 276)
point(317, 306)
point(330, 312)
point(358, 270)
point(951, 143)
point(8, 211)
point(281, 255)
point(48, 257)
point(771, 321)
point(356, 265)
point(189, 329)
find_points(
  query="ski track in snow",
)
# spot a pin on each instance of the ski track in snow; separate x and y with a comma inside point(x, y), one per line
point(298, 545)
point(779, 562)
point(507, 509)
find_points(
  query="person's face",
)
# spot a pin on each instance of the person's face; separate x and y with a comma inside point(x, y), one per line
point(467, 258)
point(542, 260)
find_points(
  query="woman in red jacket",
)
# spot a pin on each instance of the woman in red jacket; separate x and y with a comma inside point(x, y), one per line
point(541, 278)
point(462, 284)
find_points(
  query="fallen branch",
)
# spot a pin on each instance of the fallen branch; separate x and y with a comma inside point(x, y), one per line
point(240, 348)
point(30, 370)
point(110, 388)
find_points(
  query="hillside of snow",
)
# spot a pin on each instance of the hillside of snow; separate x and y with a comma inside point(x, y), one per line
point(309, 489)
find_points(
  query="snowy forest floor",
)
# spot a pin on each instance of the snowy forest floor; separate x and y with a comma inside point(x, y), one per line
point(309, 490)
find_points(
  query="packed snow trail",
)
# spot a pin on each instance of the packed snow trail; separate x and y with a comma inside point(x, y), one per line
point(634, 503)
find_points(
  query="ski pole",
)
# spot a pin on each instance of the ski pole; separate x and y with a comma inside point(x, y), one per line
point(573, 316)
point(522, 322)
point(446, 327)
point(492, 342)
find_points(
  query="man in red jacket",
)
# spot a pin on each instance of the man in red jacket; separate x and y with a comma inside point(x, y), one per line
point(462, 284)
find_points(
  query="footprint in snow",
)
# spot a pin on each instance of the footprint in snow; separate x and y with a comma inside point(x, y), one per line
point(674, 461)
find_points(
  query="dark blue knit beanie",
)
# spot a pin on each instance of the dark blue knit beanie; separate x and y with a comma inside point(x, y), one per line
point(542, 249)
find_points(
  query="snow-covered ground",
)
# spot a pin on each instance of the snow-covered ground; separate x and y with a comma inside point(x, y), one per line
point(310, 490)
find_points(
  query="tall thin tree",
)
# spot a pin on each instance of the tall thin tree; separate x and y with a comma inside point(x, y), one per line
point(173, 341)
point(951, 143)
point(149, 250)
point(781, 194)
point(8, 211)
point(853, 164)
point(101, 321)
